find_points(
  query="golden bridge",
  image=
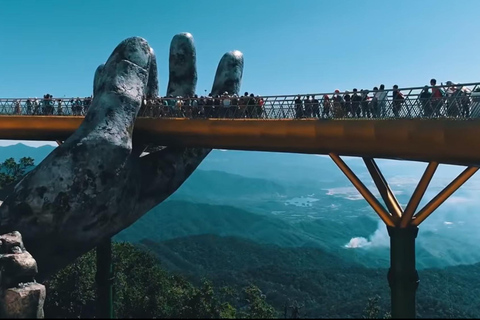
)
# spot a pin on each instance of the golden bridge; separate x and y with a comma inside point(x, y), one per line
point(446, 134)
point(417, 126)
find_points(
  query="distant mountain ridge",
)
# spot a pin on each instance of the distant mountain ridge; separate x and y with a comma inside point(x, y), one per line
point(20, 150)
point(250, 195)
point(199, 251)
point(174, 219)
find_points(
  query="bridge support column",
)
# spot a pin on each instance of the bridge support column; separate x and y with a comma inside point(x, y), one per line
point(104, 280)
point(402, 276)
point(402, 226)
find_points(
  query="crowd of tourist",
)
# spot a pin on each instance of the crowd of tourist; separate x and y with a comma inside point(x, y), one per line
point(433, 101)
point(211, 106)
point(49, 105)
point(451, 100)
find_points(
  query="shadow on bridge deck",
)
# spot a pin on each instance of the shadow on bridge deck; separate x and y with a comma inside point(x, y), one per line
point(442, 140)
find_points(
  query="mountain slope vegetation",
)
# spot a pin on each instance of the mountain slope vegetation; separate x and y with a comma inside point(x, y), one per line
point(326, 285)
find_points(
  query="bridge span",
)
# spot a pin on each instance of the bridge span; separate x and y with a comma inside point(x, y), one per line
point(442, 140)
point(377, 124)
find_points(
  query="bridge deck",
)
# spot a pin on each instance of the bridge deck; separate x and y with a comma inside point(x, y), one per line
point(444, 140)
point(418, 126)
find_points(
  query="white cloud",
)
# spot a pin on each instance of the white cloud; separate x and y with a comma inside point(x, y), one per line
point(351, 193)
point(379, 238)
point(458, 200)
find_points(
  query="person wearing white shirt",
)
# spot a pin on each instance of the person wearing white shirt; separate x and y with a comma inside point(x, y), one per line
point(380, 97)
point(226, 99)
point(226, 105)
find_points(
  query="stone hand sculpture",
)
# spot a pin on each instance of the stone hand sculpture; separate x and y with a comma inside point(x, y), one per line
point(97, 183)
point(20, 295)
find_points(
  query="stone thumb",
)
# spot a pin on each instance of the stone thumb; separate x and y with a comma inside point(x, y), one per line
point(120, 86)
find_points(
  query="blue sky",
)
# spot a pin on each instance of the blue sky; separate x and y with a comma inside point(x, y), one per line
point(289, 47)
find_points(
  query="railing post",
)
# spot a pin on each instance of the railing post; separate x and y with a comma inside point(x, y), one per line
point(402, 276)
point(104, 279)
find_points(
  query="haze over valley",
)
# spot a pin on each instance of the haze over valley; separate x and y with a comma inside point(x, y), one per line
point(296, 200)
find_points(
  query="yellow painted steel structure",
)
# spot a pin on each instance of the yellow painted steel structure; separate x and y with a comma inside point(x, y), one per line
point(388, 219)
point(418, 194)
point(387, 194)
point(440, 140)
point(443, 195)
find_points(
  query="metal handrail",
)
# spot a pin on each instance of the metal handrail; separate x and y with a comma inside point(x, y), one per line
point(469, 84)
point(443, 86)
point(455, 105)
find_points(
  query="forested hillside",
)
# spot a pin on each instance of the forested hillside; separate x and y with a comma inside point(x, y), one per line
point(327, 286)
point(143, 289)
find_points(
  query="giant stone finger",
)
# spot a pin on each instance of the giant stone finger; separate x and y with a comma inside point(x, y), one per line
point(96, 78)
point(183, 66)
point(164, 171)
point(120, 87)
point(182, 74)
point(229, 73)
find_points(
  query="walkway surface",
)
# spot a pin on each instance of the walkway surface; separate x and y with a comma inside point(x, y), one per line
point(373, 124)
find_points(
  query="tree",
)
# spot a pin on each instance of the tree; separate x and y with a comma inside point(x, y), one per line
point(295, 308)
point(11, 171)
point(257, 307)
point(206, 302)
point(142, 289)
point(372, 310)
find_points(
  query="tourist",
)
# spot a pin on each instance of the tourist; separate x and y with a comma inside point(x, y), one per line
point(425, 102)
point(307, 102)
point(381, 99)
point(366, 107)
point(356, 99)
point(347, 106)
point(315, 107)
point(326, 106)
point(298, 107)
point(437, 97)
point(338, 105)
point(398, 100)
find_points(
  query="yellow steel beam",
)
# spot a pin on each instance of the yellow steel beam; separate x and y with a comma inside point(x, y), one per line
point(387, 194)
point(418, 194)
point(443, 195)
point(367, 195)
point(441, 140)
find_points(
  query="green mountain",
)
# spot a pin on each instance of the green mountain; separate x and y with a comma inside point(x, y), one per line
point(191, 254)
point(176, 219)
point(20, 150)
point(276, 166)
point(328, 286)
point(309, 203)
point(267, 219)
point(212, 186)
